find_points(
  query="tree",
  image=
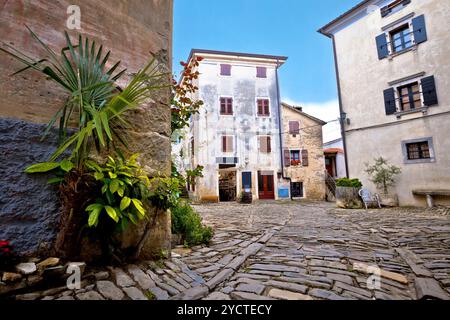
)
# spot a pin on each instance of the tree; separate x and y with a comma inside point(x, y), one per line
point(382, 174)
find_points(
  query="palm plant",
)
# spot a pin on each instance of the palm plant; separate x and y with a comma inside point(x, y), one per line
point(95, 103)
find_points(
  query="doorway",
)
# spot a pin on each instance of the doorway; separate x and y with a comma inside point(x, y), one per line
point(227, 183)
point(266, 188)
point(297, 189)
point(330, 164)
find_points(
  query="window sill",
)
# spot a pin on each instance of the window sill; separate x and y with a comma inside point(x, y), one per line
point(396, 54)
point(399, 114)
point(227, 115)
point(419, 161)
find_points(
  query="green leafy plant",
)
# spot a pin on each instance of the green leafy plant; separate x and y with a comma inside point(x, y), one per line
point(58, 169)
point(188, 223)
point(95, 104)
point(124, 187)
point(382, 174)
point(165, 192)
point(349, 183)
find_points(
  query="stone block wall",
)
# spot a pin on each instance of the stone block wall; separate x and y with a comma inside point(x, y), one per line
point(133, 31)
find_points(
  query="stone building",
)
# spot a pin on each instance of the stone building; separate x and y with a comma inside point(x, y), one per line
point(393, 70)
point(235, 137)
point(303, 153)
point(133, 31)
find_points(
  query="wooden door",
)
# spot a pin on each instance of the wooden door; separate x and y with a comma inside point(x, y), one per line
point(266, 186)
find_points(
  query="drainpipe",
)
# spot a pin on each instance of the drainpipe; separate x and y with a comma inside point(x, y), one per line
point(341, 110)
point(280, 124)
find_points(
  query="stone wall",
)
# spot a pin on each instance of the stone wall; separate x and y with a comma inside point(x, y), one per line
point(310, 138)
point(133, 31)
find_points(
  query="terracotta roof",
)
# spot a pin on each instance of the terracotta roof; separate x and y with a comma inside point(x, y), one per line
point(342, 16)
point(333, 150)
point(303, 113)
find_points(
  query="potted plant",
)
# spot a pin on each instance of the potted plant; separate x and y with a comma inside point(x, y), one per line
point(347, 196)
point(382, 174)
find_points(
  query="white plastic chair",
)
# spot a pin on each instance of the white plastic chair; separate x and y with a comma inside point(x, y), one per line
point(368, 198)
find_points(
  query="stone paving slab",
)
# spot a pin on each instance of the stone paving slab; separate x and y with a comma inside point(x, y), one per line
point(290, 251)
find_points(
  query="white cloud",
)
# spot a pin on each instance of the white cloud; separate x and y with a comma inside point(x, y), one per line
point(327, 111)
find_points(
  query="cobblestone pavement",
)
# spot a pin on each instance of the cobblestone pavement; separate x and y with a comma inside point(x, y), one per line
point(293, 251)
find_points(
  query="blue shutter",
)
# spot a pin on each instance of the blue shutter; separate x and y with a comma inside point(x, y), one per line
point(389, 101)
point(382, 46)
point(247, 180)
point(419, 29)
point(429, 91)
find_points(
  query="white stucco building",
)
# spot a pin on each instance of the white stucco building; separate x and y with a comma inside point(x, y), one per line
point(393, 69)
point(236, 136)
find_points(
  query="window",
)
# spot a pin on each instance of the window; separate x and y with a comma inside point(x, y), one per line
point(225, 70)
point(265, 144)
point(227, 144)
point(295, 158)
point(410, 97)
point(417, 151)
point(393, 7)
point(263, 107)
point(415, 95)
point(226, 106)
point(261, 72)
point(401, 38)
point(192, 148)
point(294, 127)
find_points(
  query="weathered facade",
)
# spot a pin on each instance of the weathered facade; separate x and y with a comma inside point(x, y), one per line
point(235, 137)
point(303, 153)
point(393, 66)
point(133, 31)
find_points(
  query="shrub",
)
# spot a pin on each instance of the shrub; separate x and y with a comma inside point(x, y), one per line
point(123, 188)
point(348, 183)
point(382, 174)
point(188, 223)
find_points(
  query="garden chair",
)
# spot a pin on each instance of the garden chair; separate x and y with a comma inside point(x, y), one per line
point(368, 198)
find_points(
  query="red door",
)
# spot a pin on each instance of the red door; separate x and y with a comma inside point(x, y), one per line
point(329, 164)
point(266, 186)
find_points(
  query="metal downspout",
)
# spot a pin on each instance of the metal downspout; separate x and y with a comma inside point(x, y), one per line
point(280, 124)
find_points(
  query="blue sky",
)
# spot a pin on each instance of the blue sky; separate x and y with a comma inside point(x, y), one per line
point(278, 27)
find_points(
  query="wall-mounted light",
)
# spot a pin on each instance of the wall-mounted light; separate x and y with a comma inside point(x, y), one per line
point(344, 118)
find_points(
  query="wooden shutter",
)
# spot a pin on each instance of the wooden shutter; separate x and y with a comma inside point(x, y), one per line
point(260, 107)
point(294, 127)
point(261, 72)
point(266, 108)
point(382, 46)
point(287, 158)
point(429, 91)
point(224, 144)
point(222, 106)
point(389, 101)
point(230, 144)
point(305, 158)
point(419, 29)
point(225, 70)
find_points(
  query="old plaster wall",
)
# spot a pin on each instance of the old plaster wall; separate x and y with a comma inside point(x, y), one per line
point(133, 31)
point(244, 125)
point(363, 77)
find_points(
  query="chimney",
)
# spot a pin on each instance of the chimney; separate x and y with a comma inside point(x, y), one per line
point(299, 108)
